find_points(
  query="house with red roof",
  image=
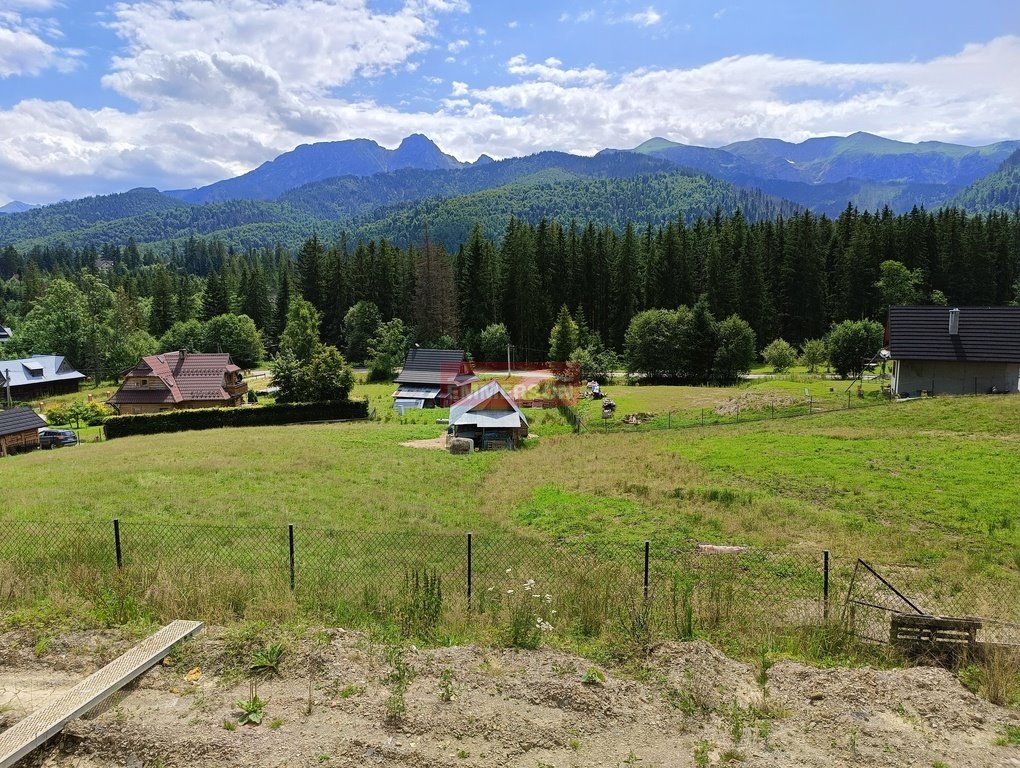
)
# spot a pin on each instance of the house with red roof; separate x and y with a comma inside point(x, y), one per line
point(176, 380)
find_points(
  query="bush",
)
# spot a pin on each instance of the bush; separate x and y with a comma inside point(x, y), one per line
point(215, 418)
point(780, 355)
point(735, 351)
point(813, 354)
point(852, 344)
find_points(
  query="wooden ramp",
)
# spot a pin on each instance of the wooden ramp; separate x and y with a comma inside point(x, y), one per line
point(21, 738)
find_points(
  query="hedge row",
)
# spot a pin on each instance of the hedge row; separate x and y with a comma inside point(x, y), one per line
point(214, 418)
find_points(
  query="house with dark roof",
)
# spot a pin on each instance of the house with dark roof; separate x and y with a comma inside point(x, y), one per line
point(19, 430)
point(954, 350)
point(177, 380)
point(30, 378)
point(5, 334)
point(433, 378)
point(489, 417)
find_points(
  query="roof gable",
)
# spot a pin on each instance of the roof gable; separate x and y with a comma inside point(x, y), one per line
point(985, 334)
point(490, 398)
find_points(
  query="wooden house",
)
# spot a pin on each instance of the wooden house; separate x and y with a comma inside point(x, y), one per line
point(433, 378)
point(32, 378)
point(490, 417)
point(19, 430)
point(954, 351)
point(177, 380)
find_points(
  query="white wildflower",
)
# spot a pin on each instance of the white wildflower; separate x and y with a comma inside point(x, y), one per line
point(508, 570)
point(529, 585)
point(548, 598)
point(509, 591)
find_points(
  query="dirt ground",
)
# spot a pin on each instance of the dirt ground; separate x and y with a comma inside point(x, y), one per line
point(690, 706)
point(432, 443)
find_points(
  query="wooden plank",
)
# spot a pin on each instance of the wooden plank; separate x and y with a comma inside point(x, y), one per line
point(29, 733)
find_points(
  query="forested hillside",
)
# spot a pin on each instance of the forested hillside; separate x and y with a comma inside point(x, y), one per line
point(999, 191)
point(613, 188)
point(643, 200)
point(790, 277)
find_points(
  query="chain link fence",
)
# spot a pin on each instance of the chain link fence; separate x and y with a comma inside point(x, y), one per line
point(217, 573)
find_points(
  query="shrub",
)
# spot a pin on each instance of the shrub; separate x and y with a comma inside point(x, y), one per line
point(851, 344)
point(780, 355)
point(813, 354)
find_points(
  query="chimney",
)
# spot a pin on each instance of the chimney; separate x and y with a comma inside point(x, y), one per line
point(954, 322)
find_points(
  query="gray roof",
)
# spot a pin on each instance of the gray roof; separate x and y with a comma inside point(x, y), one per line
point(38, 369)
point(19, 420)
point(437, 367)
point(468, 409)
point(492, 419)
point(413, 392)
point(986, 334)
point(5, 333)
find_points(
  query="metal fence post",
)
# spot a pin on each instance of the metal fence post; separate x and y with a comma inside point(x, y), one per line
point(290, 536)
point(116, 543)
point(469, 570)
point(647, 546)
point(825, 584)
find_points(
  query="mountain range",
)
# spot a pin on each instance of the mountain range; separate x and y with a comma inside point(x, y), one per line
point(364, 189)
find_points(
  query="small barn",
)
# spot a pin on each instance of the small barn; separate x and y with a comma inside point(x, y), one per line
point(433, 378)
point(31, 378)
point(5, 334)
point(954, 350)
point(489, 417)
point(19, 430)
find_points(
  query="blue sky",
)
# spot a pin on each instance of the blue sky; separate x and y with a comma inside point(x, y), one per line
point(97, 97)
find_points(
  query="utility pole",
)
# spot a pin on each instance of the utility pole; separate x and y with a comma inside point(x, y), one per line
point(508, 360)
point(7, 381)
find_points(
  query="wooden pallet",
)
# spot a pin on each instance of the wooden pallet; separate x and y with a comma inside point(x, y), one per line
point(25, 735)
point(917, 633)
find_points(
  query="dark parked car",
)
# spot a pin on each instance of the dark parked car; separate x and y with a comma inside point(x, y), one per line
point(56, 438)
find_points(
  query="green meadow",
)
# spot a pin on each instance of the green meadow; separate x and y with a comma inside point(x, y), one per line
point(924, 490)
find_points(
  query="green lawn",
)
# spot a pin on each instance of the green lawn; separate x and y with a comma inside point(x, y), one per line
point(664, 406)
point(925, 490)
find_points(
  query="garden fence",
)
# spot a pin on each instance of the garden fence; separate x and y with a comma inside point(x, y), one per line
point(215, 573)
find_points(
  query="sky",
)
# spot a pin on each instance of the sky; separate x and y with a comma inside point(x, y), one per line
point(99, 97)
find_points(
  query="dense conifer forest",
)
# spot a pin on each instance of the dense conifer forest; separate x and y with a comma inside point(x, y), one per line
point(790, 277)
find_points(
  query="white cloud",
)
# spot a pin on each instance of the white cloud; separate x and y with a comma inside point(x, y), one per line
point(457, 46)
point(513, 24)
point(216, 99)
point(551, 70)
point(578, 18)
point(23, 49)
point(649, 17)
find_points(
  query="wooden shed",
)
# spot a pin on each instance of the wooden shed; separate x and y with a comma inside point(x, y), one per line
point(490, 417)
point(19, 430)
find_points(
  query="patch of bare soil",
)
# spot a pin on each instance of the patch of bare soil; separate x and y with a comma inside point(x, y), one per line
point(756, 401)
point(691, 706)
point(432, 443)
